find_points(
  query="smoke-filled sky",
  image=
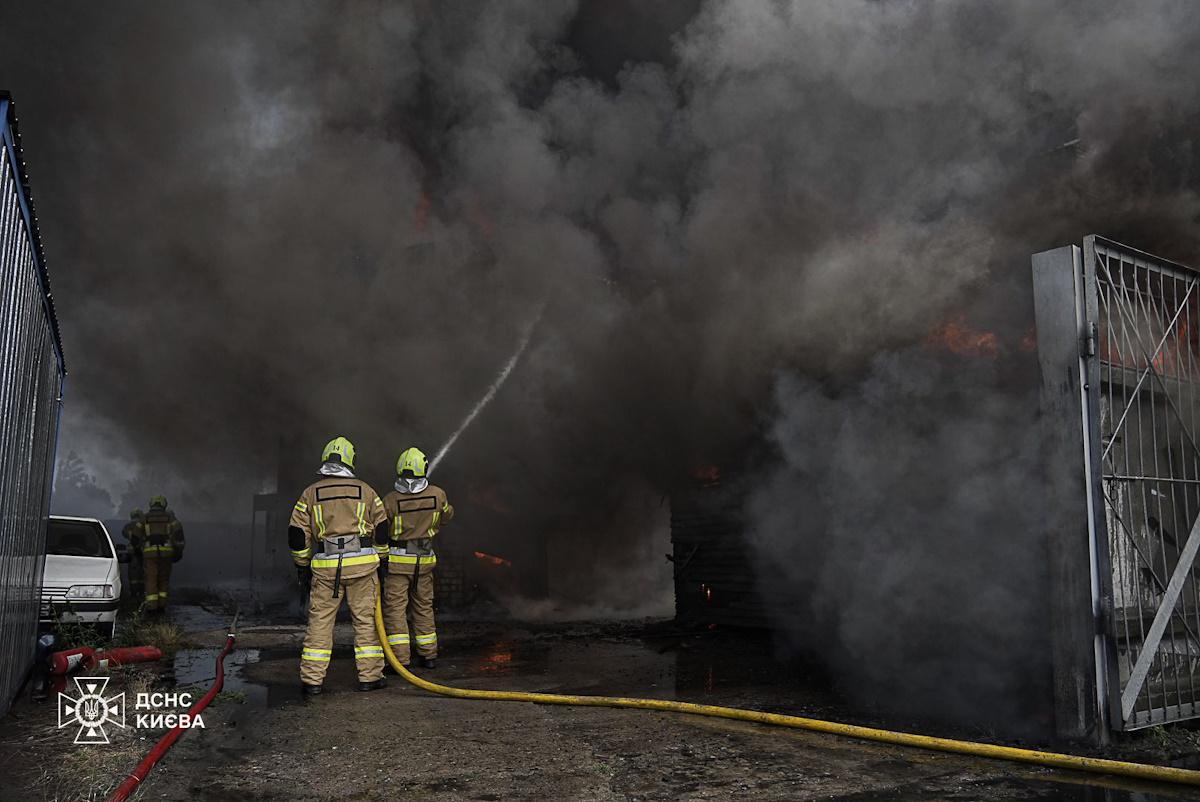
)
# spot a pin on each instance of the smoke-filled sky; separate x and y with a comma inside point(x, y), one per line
point(272, 221)
point(292, 219)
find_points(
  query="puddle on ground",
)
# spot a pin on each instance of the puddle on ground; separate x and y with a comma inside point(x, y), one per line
point(198, 618)
point(197, 667)
point(1081, 792)
point(1005, 789)
point(504, 658)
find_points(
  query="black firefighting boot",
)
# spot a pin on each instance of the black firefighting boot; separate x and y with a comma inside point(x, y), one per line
point(311, 690)
point(427, 662)
point(373, 685)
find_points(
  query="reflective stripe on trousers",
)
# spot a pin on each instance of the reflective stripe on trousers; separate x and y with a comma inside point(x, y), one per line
point(359, 558)
point(408, 559)
point(360, 593)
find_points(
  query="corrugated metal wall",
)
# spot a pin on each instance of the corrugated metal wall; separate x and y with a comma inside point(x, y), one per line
point(31, 381)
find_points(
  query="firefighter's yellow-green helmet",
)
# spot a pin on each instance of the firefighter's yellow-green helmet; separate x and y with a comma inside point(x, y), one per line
point(135, 514)
point(412, 462)
point(339, 449)
point(158, 501)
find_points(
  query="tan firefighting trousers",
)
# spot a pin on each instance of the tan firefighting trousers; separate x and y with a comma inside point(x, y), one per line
point(137, 575)
point(398, 606)
point(359, 593)
point(157, 569)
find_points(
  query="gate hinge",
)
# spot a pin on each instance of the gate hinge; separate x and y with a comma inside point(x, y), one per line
point(1088, 346)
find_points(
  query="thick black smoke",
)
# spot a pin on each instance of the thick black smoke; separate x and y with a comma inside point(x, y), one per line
point(274, 220)
point(901, 539)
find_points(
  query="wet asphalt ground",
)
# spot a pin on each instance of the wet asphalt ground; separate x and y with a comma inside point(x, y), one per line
point(263, 742)
point(401, 743)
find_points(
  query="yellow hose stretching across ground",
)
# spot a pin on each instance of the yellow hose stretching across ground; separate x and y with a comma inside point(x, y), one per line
point(1052, 759)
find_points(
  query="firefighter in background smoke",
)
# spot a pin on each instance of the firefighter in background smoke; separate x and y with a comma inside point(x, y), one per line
point(330, 536)
point(135, 533)
point(416, 511)
point(162, 546)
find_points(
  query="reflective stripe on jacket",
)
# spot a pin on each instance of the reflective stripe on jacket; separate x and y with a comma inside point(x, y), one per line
point(162, 533)
point(415, 517)
point(338, 507)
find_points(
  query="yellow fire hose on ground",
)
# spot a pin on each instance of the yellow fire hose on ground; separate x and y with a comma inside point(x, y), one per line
point(1056, 760)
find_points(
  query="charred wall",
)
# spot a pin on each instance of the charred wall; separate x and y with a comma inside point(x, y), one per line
point(713, 566)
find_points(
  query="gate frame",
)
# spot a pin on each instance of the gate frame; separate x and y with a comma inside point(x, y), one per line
point(1079, 650)
point(1089, 701)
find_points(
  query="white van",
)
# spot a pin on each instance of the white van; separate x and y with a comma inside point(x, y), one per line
point(81, 582)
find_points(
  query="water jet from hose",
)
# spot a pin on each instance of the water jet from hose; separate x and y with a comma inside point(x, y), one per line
point(501, 377)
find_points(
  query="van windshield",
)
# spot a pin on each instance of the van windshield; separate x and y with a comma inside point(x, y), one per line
point(76, 539)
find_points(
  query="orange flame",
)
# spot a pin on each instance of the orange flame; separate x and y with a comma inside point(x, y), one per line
point(1123, 346)
point(493, 559)
point(957, 337)
point(500, 657)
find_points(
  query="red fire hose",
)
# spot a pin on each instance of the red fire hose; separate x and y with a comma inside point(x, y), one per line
point(141, 770)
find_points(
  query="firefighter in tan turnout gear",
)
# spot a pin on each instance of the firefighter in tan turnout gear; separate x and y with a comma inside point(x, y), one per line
point(135, 533)
point(162, 545)
point(337, 526)
point(416, 510)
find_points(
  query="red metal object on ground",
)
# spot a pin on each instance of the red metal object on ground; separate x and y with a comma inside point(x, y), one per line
point(64, 662)
point(68, 660)
point(141, 770)
point(111, 658)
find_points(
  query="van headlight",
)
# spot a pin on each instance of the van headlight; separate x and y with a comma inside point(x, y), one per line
point(90, 592)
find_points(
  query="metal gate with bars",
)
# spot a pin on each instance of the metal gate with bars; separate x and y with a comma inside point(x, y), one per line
point(31, 380)
point(1146, 370)
point(1136, 320)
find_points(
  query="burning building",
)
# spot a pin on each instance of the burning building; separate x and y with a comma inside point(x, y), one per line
point(1107, 482)
point(778, 223)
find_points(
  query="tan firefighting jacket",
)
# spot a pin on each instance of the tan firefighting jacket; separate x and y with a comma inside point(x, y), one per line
point(162, 534)
point(414, 520)
point(135, 533)
point(338, 516)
